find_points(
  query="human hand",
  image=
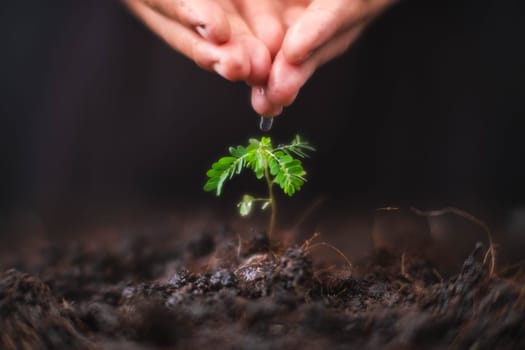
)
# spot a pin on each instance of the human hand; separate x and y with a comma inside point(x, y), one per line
point(217, 35)
point(274, 45)
point(316, 32)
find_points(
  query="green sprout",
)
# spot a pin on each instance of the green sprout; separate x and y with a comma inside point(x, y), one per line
point(276, 165)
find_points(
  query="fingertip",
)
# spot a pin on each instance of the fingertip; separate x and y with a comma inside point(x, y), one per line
point(204, 53)
point(283, 95)
point(285, 81)
point(261, 105)
point(234, 65)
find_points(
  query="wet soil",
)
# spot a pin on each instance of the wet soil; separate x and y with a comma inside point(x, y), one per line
point(201, 286)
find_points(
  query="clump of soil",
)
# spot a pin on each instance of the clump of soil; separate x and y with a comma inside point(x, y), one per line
point(213, 289)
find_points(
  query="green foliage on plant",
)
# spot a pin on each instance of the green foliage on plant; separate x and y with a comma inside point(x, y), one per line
point(279, 165)
point(260, 156)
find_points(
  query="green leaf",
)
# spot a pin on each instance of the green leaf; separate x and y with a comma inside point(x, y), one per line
point(238, 151)
point(210, 185)
point(274, 166)
point(220, 171)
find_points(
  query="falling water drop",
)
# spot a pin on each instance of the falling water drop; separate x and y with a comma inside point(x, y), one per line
point(266, 123)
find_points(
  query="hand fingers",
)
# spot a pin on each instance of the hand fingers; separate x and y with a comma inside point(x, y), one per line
point(264, 19)
point(204, 16)
point(230, 60)
point(322, 20)
point(262, 105)
point(259, 58)
point(286, 79)
point(243, 57)
point(253, 48)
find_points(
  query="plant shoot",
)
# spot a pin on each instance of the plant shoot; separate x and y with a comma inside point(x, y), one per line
point(279, 165)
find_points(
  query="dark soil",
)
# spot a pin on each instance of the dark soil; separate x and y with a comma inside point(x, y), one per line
point(221, 288)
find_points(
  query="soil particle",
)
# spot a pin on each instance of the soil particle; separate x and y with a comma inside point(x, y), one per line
point(222, 279)
point(178, 279)
point(294, 271)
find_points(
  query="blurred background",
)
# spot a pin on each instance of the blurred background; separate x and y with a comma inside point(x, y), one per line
point(101, 119)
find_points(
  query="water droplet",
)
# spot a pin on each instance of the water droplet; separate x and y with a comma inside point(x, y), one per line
point(266, 123)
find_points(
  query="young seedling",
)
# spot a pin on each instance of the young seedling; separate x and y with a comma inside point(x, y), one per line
point(276, 165)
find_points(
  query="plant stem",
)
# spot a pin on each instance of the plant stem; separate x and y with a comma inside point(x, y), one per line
point(272, 204)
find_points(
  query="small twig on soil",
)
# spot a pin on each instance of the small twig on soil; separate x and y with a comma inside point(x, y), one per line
point(404, 272)
point(254, 260)
point(308, 246)
point(491, 252)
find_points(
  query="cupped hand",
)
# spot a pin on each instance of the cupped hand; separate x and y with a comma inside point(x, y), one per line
point(224, 36)
point(273, 45)
point(316, 32)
